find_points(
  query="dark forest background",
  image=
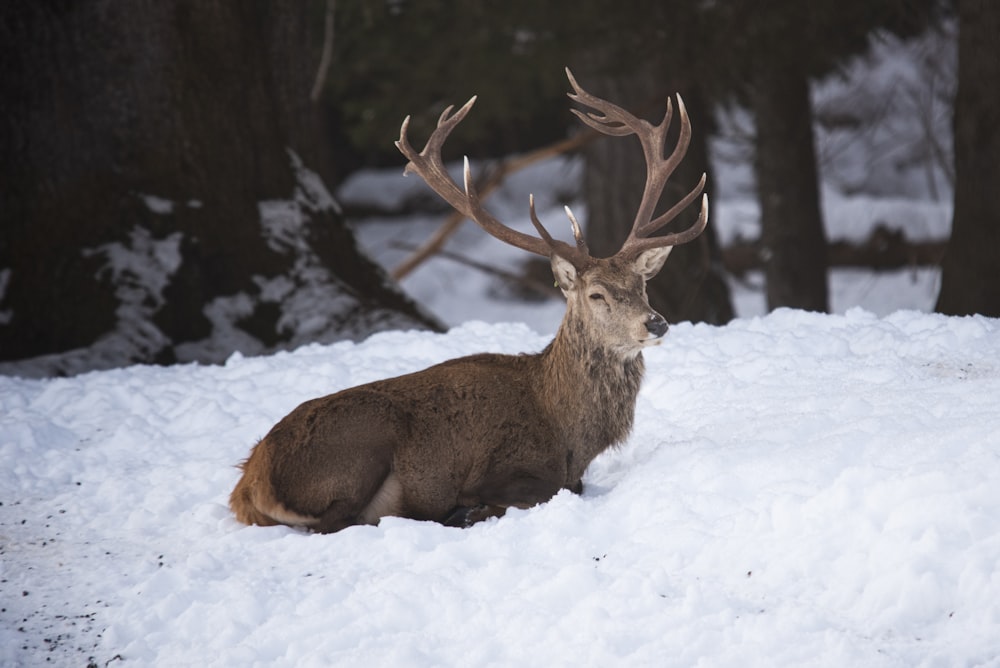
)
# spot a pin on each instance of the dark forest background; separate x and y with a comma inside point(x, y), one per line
point(202, 136)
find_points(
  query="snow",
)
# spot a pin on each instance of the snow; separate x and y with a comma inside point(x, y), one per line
point(799, 489)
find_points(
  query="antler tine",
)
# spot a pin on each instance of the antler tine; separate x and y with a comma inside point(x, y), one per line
point(647, 228)
point(537, 223)
point(612, 119)
point(580, 256)
point(581, 243)
point(429, 166)
point(636, 245)
point(615, 121)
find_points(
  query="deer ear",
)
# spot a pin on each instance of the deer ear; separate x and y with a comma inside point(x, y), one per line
point(649, 262)
point(564, 272)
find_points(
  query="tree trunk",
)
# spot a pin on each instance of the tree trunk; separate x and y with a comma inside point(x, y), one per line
point(158, 202)
point(787, 186)
point(691, 285)
point(970, 274)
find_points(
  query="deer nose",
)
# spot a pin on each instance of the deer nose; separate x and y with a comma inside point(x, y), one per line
point(656, 325)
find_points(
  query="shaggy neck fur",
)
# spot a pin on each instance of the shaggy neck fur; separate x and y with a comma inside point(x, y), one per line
point(591, 389)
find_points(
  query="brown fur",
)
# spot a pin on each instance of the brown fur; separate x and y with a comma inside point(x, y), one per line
point(470, 437)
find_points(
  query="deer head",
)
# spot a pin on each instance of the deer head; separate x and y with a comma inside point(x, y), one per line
point(604, 295)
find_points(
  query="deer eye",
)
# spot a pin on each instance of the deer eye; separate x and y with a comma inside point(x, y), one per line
point(597, 296)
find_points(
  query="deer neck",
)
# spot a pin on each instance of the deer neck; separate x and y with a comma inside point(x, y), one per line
point(590, 390)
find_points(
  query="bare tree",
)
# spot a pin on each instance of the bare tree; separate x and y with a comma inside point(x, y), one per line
point(792, 234)
point(970, 274)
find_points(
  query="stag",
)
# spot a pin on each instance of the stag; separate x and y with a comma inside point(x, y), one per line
point(464, 440)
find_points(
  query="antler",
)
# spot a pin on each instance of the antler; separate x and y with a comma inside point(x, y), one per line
point(610, 119)
point(428, 165)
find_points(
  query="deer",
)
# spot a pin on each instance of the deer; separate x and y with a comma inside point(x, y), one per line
point(462, 441)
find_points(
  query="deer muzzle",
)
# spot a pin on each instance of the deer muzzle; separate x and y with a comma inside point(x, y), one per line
point(656, 325)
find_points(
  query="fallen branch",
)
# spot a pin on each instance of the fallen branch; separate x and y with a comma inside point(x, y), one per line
point(885, 248)
point(522, 281)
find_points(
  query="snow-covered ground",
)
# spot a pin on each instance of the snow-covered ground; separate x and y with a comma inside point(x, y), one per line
point(800, 489)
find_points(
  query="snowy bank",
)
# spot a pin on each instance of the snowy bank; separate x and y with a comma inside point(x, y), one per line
point(800, 489)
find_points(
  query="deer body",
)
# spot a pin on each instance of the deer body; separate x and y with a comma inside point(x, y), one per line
point(464, 440)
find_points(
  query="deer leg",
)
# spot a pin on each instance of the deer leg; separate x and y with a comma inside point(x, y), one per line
point(340, 515)
point(518, 490)
point(466, 516)
point(493, 498)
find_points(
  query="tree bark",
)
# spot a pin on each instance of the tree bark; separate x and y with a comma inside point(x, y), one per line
point(787, 186)
point(691, 285)
point(159, 161)
point(970, 274)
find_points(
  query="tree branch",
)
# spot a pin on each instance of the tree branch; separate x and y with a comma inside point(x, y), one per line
point(524, 282)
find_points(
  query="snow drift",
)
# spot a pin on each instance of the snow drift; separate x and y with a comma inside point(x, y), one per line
point(799, 489)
